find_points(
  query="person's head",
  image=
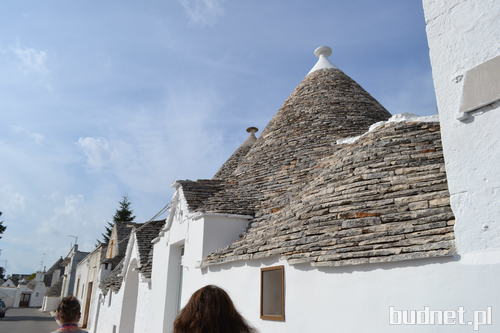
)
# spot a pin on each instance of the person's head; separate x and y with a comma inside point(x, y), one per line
point(68, 310)
point(210, 310)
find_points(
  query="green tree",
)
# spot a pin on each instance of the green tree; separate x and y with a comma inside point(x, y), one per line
point(123, 214)
point(2, 227)
point(2, 273)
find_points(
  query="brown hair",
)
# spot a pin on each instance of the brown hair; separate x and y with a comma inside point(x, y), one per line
point(68, 310)
point(210, 310)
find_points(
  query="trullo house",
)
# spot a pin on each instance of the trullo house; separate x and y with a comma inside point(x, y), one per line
point(338, 212)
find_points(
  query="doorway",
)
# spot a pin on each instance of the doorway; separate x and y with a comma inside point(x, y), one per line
point(87, 305)
point(174, 285)
point(24, 302)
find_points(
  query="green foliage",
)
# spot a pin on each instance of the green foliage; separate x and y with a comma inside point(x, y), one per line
point(2, 273)
point(31, 277)
point(123, 214)
point(2, 227)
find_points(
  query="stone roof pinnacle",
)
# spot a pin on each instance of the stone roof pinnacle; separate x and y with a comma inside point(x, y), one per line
point(322, 53)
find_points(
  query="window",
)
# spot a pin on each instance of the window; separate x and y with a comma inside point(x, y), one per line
point(110, 295)
point(77, 287)
point(272, 293)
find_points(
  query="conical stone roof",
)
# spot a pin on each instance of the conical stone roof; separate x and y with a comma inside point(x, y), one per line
point(295, 180)
point(234, 160)
point(327, 105)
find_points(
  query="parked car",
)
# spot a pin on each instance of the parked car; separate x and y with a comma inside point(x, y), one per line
point(3, 309)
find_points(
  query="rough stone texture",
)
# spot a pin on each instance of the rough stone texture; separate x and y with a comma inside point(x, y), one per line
point(144, 233)
point(382, 198)
point(123, 230)
point(114, 280)
point(144, 236)
point(234, 160)
point(55, 290)
point(47, 278)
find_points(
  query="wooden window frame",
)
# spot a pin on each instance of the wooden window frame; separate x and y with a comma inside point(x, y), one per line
point(280, 317)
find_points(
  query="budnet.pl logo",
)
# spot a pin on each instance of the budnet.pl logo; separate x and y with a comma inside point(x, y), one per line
point(477, 318)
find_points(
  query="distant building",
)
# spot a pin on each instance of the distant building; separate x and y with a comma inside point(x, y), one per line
point(9, 283)
point(53, 280)
point(89, 274)
point(70, 262)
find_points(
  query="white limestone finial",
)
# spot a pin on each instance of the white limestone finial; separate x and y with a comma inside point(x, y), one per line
point(322, 53)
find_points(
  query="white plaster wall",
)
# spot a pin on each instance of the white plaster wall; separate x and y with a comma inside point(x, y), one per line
point(50, 303)
point(144, 306)
point(109, 315)
point(37, 295)
point(199, 235)
point(220, 231)
point(159, 285)
point(81, 276)
point(357, 299)
point(461, 35)
point(88, 270)
point(8, 295)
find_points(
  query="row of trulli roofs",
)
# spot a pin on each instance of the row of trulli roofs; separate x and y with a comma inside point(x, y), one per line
point(333, 180)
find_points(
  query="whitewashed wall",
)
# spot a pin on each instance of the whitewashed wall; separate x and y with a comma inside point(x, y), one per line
point(8, 295)
point(463, 34)
point(88, 270)
point(50, 303)
point(130, 306)
point(37, 295)
point(109, 313)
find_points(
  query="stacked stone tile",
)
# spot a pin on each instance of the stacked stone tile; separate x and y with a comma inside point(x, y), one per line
point(144, 237)
point(234, 160)
point(382, 198)
point(145, 233)
point(55, 290)
point(114, 280)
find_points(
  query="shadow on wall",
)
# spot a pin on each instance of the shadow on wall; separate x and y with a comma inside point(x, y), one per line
point(336, 270)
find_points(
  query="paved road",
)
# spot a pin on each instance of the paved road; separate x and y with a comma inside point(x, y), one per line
point(27, 320)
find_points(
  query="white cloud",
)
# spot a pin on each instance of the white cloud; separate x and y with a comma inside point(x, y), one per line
point(97, 151)
point(36, 137)
point(31, 60)
point(12, 201)
point(203, 12)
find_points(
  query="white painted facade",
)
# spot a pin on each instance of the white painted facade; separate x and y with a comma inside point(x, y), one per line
point(35, 289)
point(462, 34)
point(71, 261)
point(50, 302)
point(128, 309)
point(8, 283)
point(86, 288)
point(8, 295)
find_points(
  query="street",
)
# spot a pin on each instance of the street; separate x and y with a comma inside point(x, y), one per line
point(27, 320)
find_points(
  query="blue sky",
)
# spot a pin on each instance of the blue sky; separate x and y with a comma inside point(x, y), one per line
point(104, 98)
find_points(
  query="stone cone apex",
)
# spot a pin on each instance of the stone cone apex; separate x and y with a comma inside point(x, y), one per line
point(322, 52)
point(325, 106)
point(233, 161)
